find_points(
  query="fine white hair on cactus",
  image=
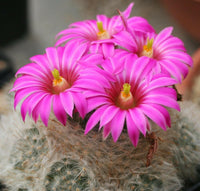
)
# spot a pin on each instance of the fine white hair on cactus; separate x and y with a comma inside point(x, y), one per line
point(34, 153)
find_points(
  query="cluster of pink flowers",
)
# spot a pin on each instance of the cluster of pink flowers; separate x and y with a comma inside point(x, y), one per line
point(118, 68)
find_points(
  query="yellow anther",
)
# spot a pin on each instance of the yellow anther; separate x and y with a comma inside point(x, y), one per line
point(56, 74)
point(125, 99)
point(149, 43)
point(100, 26)
point(102, 33)
point(59, 83)
point(126, 90)
point(147, 49)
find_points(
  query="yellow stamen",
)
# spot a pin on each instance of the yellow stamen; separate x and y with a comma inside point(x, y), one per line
point(147, 49)
point(125, 99)
point(149, 43)
point(100, 26)
point(126, 90)
point(56, 74)
point(102, 34)
point(59, 83)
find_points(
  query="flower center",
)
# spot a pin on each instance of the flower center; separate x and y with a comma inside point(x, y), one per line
point(59, 83)
point(125, 99)
point(147, 49)
point(102, 34)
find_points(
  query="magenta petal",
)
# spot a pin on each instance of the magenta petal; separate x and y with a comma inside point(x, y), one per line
point(172, 69)
point(35, 112)
point(143, 66)
point(165, 33)
point(95, 94)
point(179, 55)
point(108, 114)
point(125, 40)
point(140, 24)
point(67, 101)
point(108, 49)
point(23, 93)
point(72, 53)
point(94, 119)
point(182, 67)
point(163, 100)
point(154, 114)
point(127, 12)
point(59, 110)
point(111, 66)
point(165, 114)
point(114, 25)
point(167, 91)
point(94, 48)
point(34, 99)
point(34, 105)
point(139, 119)
point(89, 75)
point(33, 69)
point(63, 39)
point(80, 103)
point(79, 51)
point(172, 43)
point(161, 81)
point(29, 85)
point(106, 130)
point(26, 82)
point(18, 97)
point(133, 131)
point(72, 32)
point(25, 107)
point(91, 59)
point(42, 61)
point(45, 109)
point(148, 125)
point(96, 102)
point(91, 84)
point(52, 56)
point(117, 124)
point(68, 51)
point(60, 52)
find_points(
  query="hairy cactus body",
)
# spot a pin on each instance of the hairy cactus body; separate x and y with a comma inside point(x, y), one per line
point(34, 157)
point(67, 174)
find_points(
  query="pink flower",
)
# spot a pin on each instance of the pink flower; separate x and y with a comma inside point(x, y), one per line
point(94, 31)
point(128, 97)
point(51, 81)
point(99, 34)
point(166, 51)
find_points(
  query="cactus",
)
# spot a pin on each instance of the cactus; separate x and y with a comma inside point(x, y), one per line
point(29, 150)
point(25, 157)
point(63, 158)
point(67, 174)
point(187, 144)
point(2, 187)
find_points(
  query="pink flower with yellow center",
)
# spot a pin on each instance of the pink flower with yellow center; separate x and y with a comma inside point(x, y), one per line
point(93, 30)
point(51, 82)
point(166, 51)
point(128, 97)
point(99, 34)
